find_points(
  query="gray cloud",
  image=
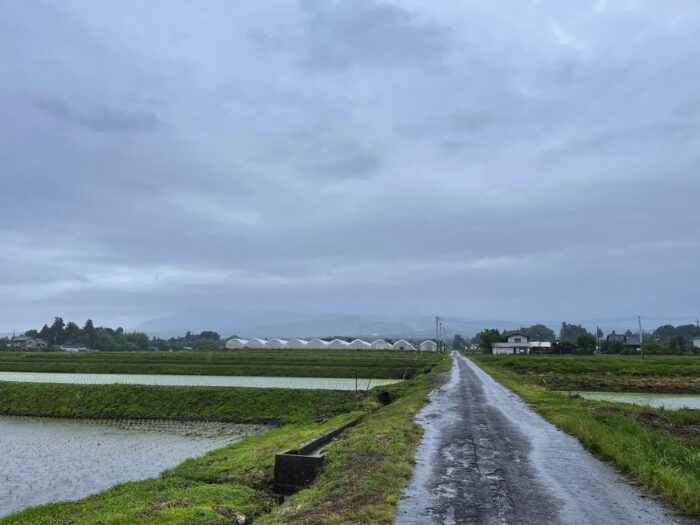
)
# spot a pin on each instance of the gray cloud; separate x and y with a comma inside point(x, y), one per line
point(316, 159)
point(342, 35)
point(101, 119)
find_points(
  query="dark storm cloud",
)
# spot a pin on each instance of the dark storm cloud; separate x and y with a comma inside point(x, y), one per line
point(101, 119)
point(505, 160)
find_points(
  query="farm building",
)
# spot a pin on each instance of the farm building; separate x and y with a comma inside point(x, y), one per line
point(428, 346)
point(517, 344)
point(237, 343)
point(317, 344)
point(276, 343)
point(338, 344)
point(256, 343)
point(403, 345)
point(297, 343)
point(380, 344)
point(359, 343)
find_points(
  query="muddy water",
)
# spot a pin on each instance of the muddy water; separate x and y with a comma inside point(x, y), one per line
point(44, 460)
point(314, 383)
point(667, 401)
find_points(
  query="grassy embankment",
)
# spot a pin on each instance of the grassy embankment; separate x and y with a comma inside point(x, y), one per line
point(359, 483)
point(659, 448)
point(275, 363)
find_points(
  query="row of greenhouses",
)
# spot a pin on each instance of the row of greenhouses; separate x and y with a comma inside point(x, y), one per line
point(334, 344)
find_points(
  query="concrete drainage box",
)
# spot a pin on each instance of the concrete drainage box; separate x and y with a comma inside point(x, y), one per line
point(297, 467)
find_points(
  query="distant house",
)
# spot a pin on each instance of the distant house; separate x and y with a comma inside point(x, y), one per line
point(696, 342)
point(627, 340)
point(517, 344)
point(540, 344)
point(28, 343)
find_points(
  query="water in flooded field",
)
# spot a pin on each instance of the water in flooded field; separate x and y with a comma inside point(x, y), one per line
point(315, 383)
point(667, 401)
point(44, 460)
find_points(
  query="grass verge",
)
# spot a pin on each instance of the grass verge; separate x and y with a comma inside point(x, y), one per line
point(657, 447)
point(240, 405)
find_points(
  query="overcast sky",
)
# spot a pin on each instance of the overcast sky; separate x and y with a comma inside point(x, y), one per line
point(506, 160)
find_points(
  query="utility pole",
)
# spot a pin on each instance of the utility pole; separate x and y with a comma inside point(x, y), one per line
point(641, 339)
point(437, 331)
point(597, 348)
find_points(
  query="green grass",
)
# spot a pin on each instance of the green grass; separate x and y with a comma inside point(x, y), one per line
point(276, 363)
point(240, 405)
point(360, 482)
point(657, 447)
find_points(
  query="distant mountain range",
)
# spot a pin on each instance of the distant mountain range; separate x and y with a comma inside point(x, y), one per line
point(279, 324)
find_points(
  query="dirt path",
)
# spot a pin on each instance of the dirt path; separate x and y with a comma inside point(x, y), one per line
point(486, 458)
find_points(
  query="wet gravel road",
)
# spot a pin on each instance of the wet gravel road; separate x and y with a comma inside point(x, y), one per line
point(486, 458)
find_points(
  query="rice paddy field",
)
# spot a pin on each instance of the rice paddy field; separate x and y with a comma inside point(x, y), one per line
point(369, 364)
point(655, 374)
point(313, 383)
point(47, 459)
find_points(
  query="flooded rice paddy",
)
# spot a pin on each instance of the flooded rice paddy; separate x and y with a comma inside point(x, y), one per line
point(314, 383)
point(44, 460)
point(667, 401)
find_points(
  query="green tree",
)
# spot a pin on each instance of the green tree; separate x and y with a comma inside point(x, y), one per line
point(72, 333)
point(486, 337)
point(458, 342)
point(585, 343)
point(56, 335)
point(89, 334)
point(570, 332)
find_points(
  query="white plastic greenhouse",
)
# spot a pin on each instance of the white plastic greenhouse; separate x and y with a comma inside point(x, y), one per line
point(317, 344)
point(403, 345)
point(359, 343)
point(380, 344)
point(338, 344)
point(236, 343)
point(276, 343)
point(297, 343)
point(428, 346)
point(256, 343)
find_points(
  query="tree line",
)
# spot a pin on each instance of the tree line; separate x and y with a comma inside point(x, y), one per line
point(575, 339)
point(92, 337)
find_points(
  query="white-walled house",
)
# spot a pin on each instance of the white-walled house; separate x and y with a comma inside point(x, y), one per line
point(428, 346)
point(401, 344)
point(237, 343)
point(380, 344)
point(297, 343)
point(517, 344)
